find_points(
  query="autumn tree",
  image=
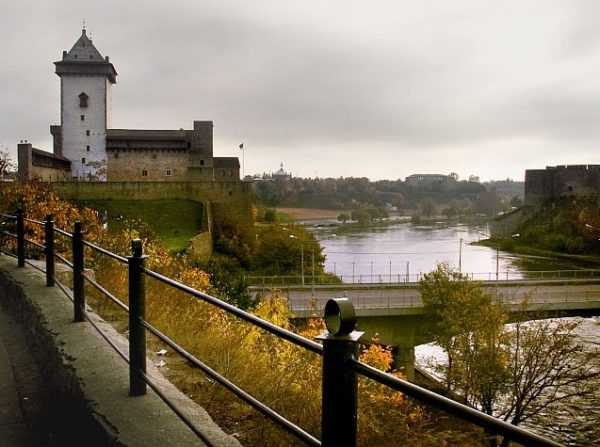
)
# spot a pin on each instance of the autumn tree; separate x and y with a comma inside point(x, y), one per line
point(514, 371)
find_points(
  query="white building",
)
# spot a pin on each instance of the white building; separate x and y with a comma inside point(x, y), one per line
point(86, 78)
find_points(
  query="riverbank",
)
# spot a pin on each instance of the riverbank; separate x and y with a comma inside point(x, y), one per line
point(311, 213)
point(513, 247)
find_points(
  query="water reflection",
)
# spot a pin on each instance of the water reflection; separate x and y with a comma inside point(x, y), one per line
point(390, 252)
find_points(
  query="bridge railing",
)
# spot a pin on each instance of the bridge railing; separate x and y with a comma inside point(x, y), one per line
point(413, 278)
point(338, 346)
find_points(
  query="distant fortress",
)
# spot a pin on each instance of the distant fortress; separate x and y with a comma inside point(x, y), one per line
point(561, 181)
point(86, 148)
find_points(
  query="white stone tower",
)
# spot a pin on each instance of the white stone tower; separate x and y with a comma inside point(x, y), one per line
point(86, 79)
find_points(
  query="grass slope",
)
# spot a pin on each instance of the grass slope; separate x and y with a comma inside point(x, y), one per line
point(175, 222)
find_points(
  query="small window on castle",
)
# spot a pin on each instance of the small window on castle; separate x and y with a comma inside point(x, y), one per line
point(144, 173)
point(83, 100)
point(87, 132)
point(153, 156)
point(168, 172)
point(201, 162)
point(87, 148)
point(116, 155)
point(82, 117)
point(83, 160)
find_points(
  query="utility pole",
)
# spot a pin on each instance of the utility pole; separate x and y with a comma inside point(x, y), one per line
point(371, 271)
point(390, 271)
point(407, 271)
point(497, 262)
point(353, 265)
point(313, 272)
point(302, 260)
point(460, 256)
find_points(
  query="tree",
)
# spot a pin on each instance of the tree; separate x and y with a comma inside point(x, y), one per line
point(270, 215)
point(343, 218)
point(427, 207)
point(362, 216)
point(547, 368)
point(515, 372)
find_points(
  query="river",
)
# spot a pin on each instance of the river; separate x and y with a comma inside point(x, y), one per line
point(378, 254)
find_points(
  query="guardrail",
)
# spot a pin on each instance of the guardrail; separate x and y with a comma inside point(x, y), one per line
point(338, 347)
point(412, 279)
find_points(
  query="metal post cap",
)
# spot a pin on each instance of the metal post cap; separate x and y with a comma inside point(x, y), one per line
point(340, 317)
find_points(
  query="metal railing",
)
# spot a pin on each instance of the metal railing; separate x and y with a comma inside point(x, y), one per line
point(339, 347)
point(399, 279)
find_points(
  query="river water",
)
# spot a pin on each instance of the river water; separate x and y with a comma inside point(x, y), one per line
point(380, 254)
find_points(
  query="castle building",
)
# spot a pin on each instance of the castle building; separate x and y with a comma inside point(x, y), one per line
point(427, 179)
point(87, 148)
point(555, 182)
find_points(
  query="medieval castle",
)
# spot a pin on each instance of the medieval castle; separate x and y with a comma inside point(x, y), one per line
point(561, 181)
point(87, 148)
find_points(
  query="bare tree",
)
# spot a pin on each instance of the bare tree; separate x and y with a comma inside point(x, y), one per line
point(7, 165)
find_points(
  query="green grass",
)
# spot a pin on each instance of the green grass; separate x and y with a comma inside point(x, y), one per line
point(175, 222)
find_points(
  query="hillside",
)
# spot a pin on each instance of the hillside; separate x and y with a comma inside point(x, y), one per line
point(175, 222)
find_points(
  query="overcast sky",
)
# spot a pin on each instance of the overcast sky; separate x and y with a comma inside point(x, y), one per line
point(381, 89)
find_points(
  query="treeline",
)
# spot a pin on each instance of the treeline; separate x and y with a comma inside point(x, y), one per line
point(354, 193)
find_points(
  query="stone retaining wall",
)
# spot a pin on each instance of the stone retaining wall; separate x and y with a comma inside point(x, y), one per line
point(88, 381)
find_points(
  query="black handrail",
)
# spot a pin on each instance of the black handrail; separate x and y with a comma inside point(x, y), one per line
point(104, 251)
point(467, 413)
point(248, 398)
point(339, 349)
point(106, 293)
point(266, 325)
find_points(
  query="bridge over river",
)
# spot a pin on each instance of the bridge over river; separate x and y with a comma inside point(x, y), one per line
point(394, 299)
point(394, 312)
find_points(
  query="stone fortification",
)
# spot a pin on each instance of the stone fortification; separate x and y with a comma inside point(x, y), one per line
point(561, 181)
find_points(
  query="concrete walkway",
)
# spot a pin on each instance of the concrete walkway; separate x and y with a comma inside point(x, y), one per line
point(13, 430)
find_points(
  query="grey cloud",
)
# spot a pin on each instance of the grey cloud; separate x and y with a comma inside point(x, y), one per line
point(289, 77)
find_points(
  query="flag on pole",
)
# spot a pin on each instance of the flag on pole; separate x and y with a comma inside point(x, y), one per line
point(241, 145)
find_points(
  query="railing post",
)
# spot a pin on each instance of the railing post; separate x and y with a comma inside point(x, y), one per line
point(137, 312)
point(78, 267)
point(340, 386)
point(49, 250)
point(20, 238)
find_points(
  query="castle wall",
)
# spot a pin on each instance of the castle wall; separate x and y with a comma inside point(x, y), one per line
point(35, 165)
point(75, 140)
point(235, 194)
point(129, 165)
point(561, 181)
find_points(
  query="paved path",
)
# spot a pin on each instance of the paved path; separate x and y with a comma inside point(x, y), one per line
point(13, 430)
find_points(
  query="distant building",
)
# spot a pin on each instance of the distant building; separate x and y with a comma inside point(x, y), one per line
point(86, 147)
point(474, 179)
point(561, 181)
point(427, 179)
point(281, 174)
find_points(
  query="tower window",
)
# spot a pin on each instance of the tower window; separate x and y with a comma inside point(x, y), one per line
point(116, 155)
point(201, 162)
point(83, 100)
point(168, 172)
point(82, 117)
point(153, 156)
point(87, 132)
point(87, 148)
point(144, 173)
point(83, 160)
